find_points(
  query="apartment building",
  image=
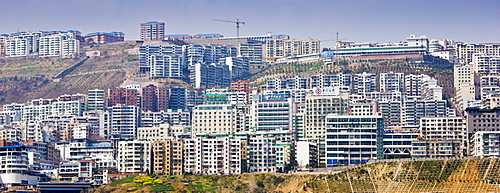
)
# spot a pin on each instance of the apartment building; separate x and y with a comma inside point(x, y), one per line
point(96, 100)
point(414, 109)
point(289, 83)
point(173, 117)
point(342, 81)
point(317, 107)
point(104, 38)
point(62, 45)
point(123, 96)
point(124, 121)
point(485, 144)
point(152, 30)
point(436, 148)
point(261, 154)
point(365, 82)
point(392, 82)
point(166, 58)
point(441, 128)
point(17, 171)
point(282, 48)
point(463, 81)
point(477, 120)
point(134, 156)
point(167, 157)
point(466, 51)
point(218, 118)
point(210, 156)
point(391, 112)
point(22, 44)
point(3, 38)
point(100, 152)
point(154, 98)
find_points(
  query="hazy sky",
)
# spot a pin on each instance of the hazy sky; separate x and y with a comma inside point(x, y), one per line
point(356, 20)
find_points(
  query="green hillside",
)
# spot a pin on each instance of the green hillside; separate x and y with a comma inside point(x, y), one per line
point(461, 175)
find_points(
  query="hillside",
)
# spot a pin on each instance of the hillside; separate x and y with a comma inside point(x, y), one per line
point(23, 79)
point(461, 175)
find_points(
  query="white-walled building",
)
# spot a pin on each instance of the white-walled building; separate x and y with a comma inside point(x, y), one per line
point(485, 144)
point(211, 156)
point(134, 156)
point(392, 82)
point(261, 154)
point(271, 113)
point(353, 139)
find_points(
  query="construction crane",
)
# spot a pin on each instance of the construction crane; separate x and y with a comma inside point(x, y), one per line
point(237, 22)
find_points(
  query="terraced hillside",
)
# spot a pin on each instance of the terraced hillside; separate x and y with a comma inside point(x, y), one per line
point(452, 175)
point(30, 67)
point(23, 79)
point(95, 73)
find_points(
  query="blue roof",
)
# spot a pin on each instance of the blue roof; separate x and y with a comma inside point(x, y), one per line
point(11, 146)
point(280, 35)
point(97, 33)
point(4, 34)
point(208, 35)
point(177, 35)
point(18, 33)
point(152, 22)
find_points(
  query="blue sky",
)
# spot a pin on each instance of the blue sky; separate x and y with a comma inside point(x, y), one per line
point(355, 20)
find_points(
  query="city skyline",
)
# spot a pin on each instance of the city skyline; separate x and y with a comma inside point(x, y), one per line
point(359, 21)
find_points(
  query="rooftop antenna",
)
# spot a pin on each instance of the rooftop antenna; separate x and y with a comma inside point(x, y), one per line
point(237, 22)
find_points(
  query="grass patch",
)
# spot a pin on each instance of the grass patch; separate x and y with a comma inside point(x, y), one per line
point(122, 181)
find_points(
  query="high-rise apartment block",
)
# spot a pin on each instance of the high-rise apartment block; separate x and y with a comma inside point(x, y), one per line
point(123, 96)
point(213, 156)
point(466, 51)
point(124, 121)
point(43, 44)
point(282, 48)
point(392, 82)
point(486, 64)
point(134, 156)
point(96, 100)
point(154, 98)
point(218, 118)
point(365, 82)
point(152, 30)
point(167, 157)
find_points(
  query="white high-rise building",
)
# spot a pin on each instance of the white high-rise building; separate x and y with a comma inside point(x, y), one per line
point(486, 64)
point(124, 121)
point(218, 118)
point(134, 156)
point(96, 100)
point(392, 82)
point(210, 156)
point(365, 82)
point(261, 154)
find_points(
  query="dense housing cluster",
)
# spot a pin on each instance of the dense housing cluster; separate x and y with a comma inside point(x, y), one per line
point(222, 125)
